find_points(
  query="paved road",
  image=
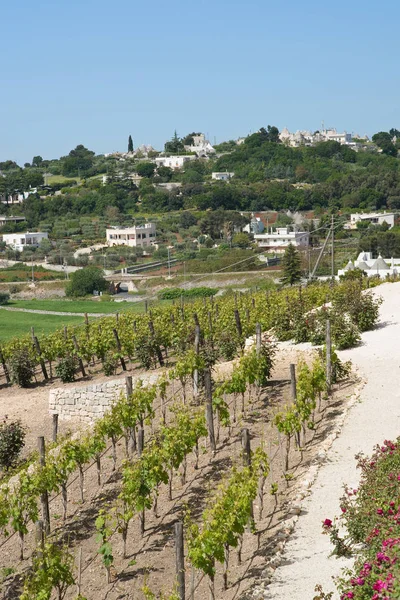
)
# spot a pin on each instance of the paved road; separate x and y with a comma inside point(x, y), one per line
point(375, 418)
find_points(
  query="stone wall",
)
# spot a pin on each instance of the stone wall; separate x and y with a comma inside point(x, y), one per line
point(89, 402)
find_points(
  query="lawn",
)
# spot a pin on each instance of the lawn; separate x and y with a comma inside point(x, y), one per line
point(78, 306)
point(18, 324)
point(51, 179)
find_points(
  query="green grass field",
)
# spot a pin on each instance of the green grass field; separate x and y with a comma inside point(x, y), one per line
point(18, 324)
point(77, 306)
point(51, 179)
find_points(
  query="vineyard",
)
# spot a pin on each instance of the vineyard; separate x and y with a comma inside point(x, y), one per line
point(129, 340)
point(194, 470)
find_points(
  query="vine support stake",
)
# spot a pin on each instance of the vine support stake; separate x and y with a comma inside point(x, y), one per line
point(5, 369)
point(140, 441)
point(39, 535)
point(246, 447)
point(128, 386)
point(55, 427)
point(79, 578)
point(121, 358)
point(44, 497)
point(180, 560)
point(258, 338)
point(328, 355)
point(197, 350)
point(157, 347)
point(80, 361)
point(293, 391)
point(41, 361)
point(238, 323)
point(209, 409)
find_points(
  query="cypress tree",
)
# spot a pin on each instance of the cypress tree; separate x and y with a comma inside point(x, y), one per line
point(291, 266)
point(130, 144)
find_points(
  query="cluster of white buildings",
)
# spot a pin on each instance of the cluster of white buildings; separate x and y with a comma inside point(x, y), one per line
point(307, 138)
point(137, 236)
point(277, 240)
point(20, 241)
point(372, 218)
point(373, 266)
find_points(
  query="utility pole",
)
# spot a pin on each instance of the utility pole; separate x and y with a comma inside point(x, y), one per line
point(333, 251)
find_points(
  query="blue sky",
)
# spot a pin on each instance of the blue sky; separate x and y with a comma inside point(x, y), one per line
point(94, 72)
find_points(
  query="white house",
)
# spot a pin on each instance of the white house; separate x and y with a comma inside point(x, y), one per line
point(19, 241)
point(373, 266)
point(279, 239)
point(200, 146)
point(374, 218)
point(173, 162)
point(135, 236)
point(222, 176)
point(5, 220)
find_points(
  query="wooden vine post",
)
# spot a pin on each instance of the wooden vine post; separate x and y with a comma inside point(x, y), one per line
point(39, 351)
point(209, 409)
point(258, 338)
point(55, 427)
point(5, 369)
point(180, 560)
point(293, 390)
point(80, 361)
point(44, 497)
point(157, 348)
point(197, 350)
point(246, 447)
point(328, 355)
point(119, 348)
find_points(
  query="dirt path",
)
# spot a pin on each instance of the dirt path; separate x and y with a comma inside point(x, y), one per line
point(374, 418)
point(54, 312)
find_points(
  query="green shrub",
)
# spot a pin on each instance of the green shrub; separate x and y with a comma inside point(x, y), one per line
point(22, 367)
point(4, 297)
point(12, 440)
point(66, 369)
point(109, 364)
point(86, 281)
point(199, 292)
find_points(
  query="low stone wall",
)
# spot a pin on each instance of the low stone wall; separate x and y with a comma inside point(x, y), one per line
point(92, 401)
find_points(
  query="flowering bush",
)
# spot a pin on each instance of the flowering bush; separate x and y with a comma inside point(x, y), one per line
point(371, 516)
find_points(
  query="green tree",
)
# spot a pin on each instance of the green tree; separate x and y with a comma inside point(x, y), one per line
point(175, 145)
point(291, 266)
point(383, 139)
point(78, 162)
point(37, 161)
point(145, 169)
point(130, 144)
point(86, 281)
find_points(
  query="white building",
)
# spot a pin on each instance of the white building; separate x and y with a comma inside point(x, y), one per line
point(373, 218)
point(200, 146)
point(373, 266)
point(222, 176)
point(279, 239)
point(173, 162)
point(135, 236)
point(5, 220)
point(307, 138)
point(19, 241)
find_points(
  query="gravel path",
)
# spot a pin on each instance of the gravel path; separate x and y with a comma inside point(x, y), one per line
point(373, 419)
point(54, 312)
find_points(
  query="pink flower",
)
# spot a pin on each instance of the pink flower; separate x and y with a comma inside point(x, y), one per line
point(327, 523)
point(379, 511)
point(379, 585)
point(344, 510)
